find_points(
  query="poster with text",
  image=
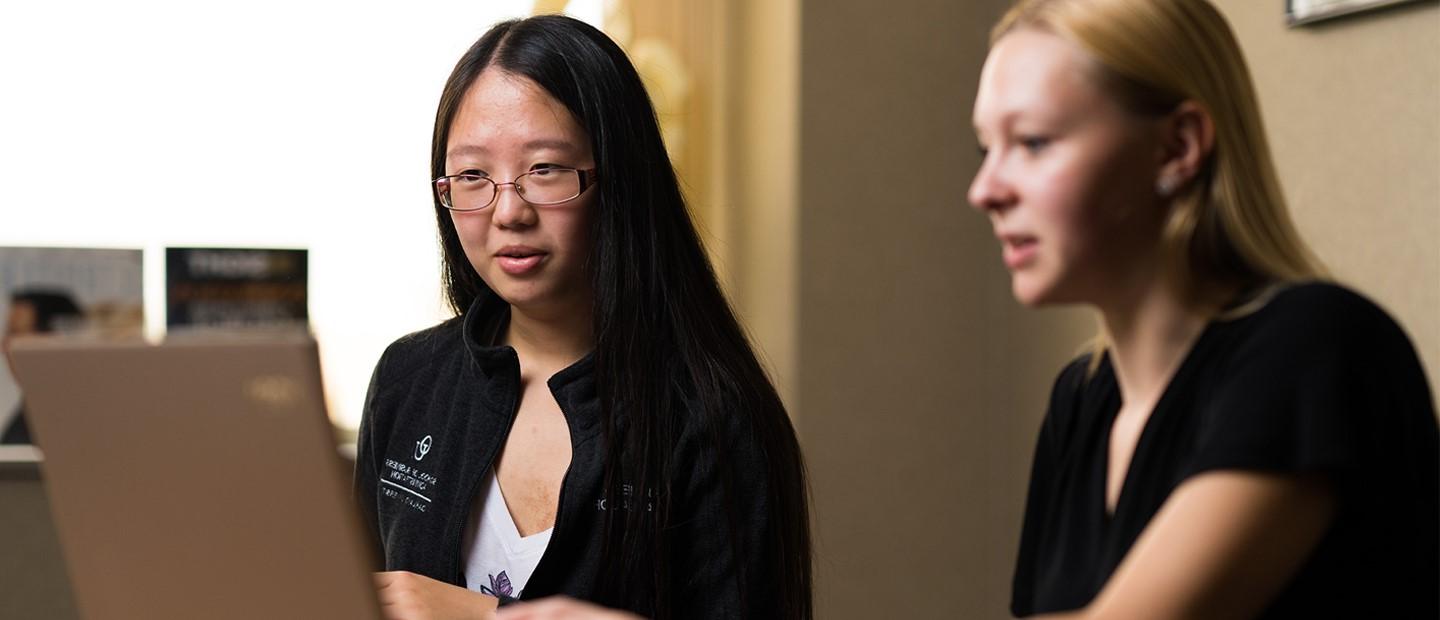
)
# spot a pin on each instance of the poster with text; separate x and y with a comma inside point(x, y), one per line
point(235, 288)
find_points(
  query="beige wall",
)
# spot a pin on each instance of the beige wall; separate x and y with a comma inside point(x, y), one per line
point(762, 167)
point(917, 382)
point(920, 382)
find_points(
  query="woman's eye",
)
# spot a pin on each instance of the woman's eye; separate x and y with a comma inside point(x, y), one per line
point(1034, 144)
point(471, 176)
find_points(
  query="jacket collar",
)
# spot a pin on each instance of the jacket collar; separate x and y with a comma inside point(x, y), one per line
point(573, 387)
point(486, 317)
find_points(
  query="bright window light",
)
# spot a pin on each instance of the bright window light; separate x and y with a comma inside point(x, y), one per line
point(147, 124)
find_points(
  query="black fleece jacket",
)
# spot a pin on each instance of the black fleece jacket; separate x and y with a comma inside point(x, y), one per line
point(439, 409)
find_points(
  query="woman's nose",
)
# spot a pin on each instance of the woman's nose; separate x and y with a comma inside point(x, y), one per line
point(511, 211)
point(990, 190)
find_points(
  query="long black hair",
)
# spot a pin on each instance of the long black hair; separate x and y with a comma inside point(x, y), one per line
point(666, 339)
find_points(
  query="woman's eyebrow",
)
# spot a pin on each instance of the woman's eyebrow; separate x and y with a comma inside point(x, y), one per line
point(549, 143)
point(467, 149)
point(539, 144)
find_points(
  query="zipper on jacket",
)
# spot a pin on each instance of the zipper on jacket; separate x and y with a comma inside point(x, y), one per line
point(473, 487)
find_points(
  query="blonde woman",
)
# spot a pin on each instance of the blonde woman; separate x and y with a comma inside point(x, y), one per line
point(1246, 440)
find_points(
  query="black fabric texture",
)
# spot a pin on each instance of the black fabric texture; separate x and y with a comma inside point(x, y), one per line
point(448, 384)
point(1319, 380)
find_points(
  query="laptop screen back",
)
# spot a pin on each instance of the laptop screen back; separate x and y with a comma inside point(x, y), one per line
point(196, 480)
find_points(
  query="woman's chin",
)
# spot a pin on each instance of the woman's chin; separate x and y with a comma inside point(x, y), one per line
point(1027, 291)
point(541, 299)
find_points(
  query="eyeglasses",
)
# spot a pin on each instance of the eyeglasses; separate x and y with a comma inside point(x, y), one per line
point(543, 186)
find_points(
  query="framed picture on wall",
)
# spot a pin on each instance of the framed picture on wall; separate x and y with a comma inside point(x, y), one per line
point(1301, 12)
point(227, 288)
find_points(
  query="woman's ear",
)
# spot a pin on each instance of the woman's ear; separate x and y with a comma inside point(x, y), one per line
point(1188, 137)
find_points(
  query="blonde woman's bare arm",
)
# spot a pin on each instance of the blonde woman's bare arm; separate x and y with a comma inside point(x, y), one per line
point(1223, 546)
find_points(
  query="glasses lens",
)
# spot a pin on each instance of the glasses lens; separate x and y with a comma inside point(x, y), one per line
point(549, 185)
point(465, 192)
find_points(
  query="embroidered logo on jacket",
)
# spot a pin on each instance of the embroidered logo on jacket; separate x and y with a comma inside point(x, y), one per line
point(422, 447)
point(408, 485)
point(604, 504)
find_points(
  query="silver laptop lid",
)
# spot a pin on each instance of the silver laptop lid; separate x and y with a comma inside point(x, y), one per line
point(196, 479)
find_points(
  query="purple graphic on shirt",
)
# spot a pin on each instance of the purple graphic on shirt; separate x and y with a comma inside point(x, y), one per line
point(499, 586)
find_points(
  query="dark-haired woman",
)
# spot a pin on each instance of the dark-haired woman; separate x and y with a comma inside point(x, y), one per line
point(593, 422)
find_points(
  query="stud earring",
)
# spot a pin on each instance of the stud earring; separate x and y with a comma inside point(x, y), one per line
point(1165, 186)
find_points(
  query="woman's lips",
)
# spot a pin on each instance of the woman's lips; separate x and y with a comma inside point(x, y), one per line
point(519, 260)
point(1019, 250)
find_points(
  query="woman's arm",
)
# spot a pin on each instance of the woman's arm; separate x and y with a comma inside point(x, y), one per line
point(407, 596)
point(1222, 546)
point(561, 608)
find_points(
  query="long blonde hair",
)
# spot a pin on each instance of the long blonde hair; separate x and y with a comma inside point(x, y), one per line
point(1229, 226)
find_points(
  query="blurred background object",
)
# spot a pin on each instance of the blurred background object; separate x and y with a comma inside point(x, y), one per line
point(235, 288)
point(33, 580)
point(84, 292)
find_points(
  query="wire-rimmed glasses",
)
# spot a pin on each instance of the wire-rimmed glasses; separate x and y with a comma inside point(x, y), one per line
point(542, 186)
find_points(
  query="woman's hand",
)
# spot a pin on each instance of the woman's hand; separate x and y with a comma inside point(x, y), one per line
point(407, 596)
point(561, 608)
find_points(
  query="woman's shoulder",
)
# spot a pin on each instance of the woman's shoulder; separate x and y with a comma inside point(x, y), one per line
point(1083, 379)
point(1078, 372)
point(1086, 373)
point(1319, 315)
point(1317, 344)
point(1318, 301)
point(419, 349)
point(1316, 378)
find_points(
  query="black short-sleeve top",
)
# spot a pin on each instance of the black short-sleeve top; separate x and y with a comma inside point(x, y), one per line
point(1316, 380)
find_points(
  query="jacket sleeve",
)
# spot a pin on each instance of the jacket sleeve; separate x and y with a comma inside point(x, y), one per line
point(367, 475)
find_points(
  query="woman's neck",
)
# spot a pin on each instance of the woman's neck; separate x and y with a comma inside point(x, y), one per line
point(547, 344)
point(1151, 329)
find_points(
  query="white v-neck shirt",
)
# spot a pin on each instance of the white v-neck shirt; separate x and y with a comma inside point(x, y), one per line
point(498, 561)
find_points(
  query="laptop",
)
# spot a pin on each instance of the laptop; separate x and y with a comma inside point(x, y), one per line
point(196, 479)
